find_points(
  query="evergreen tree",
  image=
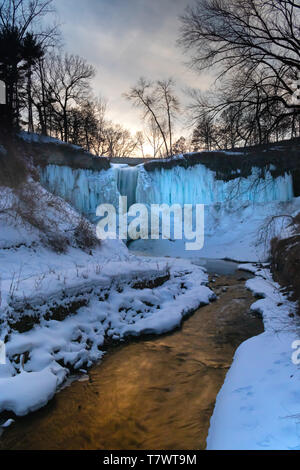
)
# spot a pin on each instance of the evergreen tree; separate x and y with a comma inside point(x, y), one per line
point(17, 56)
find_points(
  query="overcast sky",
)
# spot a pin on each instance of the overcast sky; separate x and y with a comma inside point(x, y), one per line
point(126, 39)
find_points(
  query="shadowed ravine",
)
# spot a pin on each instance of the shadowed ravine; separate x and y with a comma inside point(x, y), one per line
point(155, 393)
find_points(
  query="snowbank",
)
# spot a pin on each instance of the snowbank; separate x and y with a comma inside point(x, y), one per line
point(43, 139)
point(58, 310)
point(258, 405)
point(233, 230)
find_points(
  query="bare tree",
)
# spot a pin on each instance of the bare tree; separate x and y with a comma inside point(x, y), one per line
point(67, 81)
point(83, 125)
point(154, 138)
point(98, 141)
point(119, 142)
point(140, 142)
point(181, 146)
point(168, 103)
point(26, 16)
point(204, 135)
point(253, 42)
point(242, 111)
point(159, 104)
point(24, 39)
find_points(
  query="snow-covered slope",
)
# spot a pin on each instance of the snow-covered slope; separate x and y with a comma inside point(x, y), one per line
point(61, 300)
point(258, 405)
point(234, 230)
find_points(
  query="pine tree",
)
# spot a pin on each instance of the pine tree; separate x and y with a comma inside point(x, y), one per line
point(17, 57)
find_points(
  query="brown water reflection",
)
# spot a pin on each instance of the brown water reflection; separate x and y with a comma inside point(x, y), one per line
point(157, 393)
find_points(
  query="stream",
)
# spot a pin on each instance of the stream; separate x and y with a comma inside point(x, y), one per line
point(157, 392)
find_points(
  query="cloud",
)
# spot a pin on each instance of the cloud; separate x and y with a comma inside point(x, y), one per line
point(126, 39)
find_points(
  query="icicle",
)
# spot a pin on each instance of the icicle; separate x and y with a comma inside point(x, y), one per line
point(86, 189)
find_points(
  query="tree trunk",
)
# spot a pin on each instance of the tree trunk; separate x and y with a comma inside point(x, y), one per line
point(29, 98)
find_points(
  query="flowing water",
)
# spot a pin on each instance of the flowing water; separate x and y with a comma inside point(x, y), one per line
point(152, 393)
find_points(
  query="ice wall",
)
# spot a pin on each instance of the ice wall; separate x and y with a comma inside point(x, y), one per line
point(197, 184)
point(127, 179)
point(83, 189)
point(86, 189)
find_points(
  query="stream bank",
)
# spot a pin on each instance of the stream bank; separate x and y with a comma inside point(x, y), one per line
point(152, 393)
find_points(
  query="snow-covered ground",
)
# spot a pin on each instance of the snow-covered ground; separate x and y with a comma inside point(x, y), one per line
point(43, 139)
point(235, 230)
point(258, 407)
point(57, 310)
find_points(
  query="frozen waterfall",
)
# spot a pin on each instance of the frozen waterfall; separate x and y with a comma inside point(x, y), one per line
point(198, 185)
point(83, 189)
point(86, 189)
point(127, 178)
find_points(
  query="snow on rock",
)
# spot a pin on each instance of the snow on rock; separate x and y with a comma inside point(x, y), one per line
point(28, 392)
point(7, 423)
point(114, 306)
point(43, 139)
point(258, 405)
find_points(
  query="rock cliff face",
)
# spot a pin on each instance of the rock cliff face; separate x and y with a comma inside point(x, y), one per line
point(48, 151)
point(277, 158)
